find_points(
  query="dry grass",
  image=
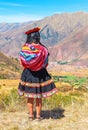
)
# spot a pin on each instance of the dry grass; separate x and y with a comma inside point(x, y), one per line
point(69, 70)
point(7, 84)
point(69, 117)
point(75, 117)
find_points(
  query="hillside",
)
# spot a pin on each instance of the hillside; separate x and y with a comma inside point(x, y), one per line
point(5, 27)
point(61, 31)
point(9, 67)
point(73, 50)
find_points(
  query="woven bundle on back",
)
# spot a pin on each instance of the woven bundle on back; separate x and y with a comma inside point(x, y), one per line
point(34, 56)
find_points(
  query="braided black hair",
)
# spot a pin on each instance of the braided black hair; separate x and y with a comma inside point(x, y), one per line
point(33, 37)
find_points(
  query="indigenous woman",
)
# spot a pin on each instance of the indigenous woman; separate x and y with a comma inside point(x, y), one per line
point(35, 83)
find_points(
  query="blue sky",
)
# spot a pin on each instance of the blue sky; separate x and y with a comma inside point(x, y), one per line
point(29, 10)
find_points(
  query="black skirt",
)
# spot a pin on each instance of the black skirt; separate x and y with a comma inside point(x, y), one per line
point(36, 84)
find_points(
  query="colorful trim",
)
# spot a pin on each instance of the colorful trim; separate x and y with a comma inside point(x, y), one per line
point(36, 84)
point(44, 95)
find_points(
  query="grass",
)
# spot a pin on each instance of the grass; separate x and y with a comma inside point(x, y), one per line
point(13, 109)
point(75, 118)
point(9, 67)
point(72, 81)
point(10, 100)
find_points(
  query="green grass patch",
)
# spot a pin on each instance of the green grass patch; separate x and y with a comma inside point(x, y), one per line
point(74, 81)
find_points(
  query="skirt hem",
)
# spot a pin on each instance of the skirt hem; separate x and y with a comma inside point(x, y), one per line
point(41, 95)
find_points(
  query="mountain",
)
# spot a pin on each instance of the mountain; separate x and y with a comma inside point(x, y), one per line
point(5, 27)
point(73, 50)
point(9, 67)
point(62, 33)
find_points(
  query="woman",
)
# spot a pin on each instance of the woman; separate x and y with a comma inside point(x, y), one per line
point(35, 82)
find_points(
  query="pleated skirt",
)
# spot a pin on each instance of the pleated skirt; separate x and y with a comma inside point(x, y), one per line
point(36, 84)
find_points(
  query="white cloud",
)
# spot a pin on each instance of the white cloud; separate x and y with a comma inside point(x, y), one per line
point(18, 18)
point(11, 4)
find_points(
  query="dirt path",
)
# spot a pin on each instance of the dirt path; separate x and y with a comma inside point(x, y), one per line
point(74, 117)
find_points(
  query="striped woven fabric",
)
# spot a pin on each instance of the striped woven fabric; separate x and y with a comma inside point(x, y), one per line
point(34, 56)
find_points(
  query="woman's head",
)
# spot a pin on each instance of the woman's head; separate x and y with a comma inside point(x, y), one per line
point(33, 36)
